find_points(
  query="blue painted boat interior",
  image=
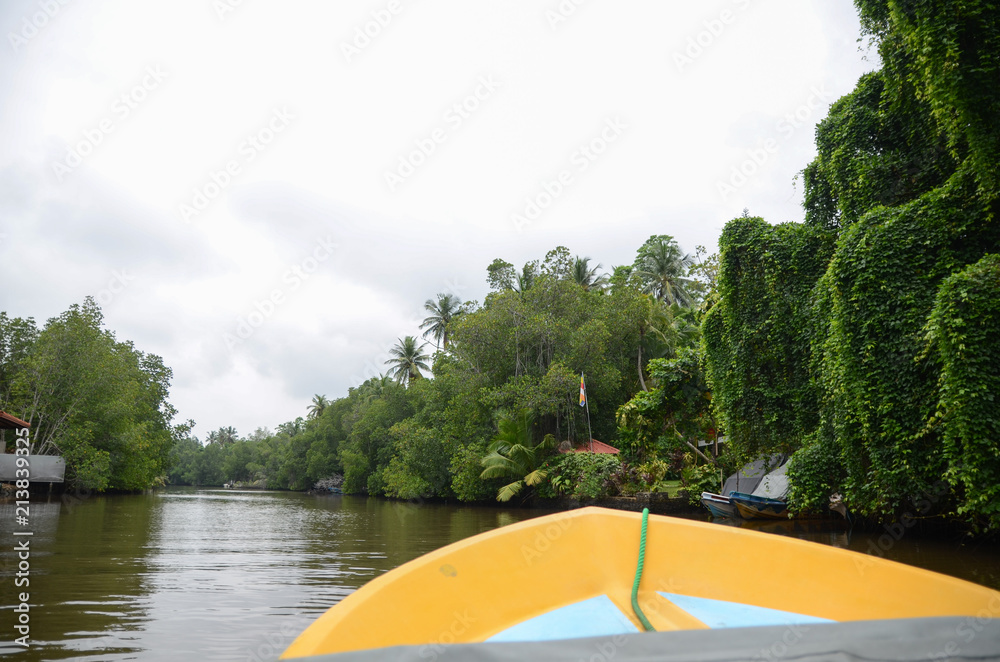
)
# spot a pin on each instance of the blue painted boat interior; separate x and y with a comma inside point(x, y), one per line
point(599, 616)
point(594, 617)
point(723, 614)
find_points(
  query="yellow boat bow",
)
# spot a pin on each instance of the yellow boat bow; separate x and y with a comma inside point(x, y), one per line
point(570, 575)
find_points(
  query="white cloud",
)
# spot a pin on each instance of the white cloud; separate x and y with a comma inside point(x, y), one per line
point(113, 222)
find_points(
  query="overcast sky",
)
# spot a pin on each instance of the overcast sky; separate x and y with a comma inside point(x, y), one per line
point(265, 192)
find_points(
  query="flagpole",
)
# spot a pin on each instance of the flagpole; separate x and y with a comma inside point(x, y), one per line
point(586, 403)
point(589, 433)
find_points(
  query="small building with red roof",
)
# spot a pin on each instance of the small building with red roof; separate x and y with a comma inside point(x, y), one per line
point(8, 422)
point(594, 446)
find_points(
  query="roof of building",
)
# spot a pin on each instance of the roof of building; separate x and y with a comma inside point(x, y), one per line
point(8, 422)
point(594, 447)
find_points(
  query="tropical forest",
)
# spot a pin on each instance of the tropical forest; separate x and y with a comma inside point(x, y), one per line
point(863, 341)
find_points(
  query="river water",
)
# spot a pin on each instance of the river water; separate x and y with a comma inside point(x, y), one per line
point(209, 574)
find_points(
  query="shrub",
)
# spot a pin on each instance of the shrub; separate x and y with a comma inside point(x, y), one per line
point(696, 479)
point(582, 475)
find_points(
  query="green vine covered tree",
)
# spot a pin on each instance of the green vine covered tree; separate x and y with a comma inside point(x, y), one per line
point(868, 383)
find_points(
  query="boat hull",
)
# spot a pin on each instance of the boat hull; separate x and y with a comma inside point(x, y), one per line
point(718, 505)
point(755, 507)
point(570, 575)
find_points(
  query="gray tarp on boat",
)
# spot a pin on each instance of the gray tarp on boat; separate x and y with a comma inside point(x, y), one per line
point(900, 640)
point(774, 485)
point(748, 478)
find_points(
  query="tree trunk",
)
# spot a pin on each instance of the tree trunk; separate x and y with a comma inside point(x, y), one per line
point(695, 449)
point(642, 382)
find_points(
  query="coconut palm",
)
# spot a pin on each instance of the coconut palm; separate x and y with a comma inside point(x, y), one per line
point(442, 312)
point(587, 276)
point(407, 360)
point(661, 268)
point(223, 436)
point(319, 403)
point(526, 279)
point(513, 455)
point(375, 387)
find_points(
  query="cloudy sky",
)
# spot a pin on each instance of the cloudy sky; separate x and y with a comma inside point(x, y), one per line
point(265, 192)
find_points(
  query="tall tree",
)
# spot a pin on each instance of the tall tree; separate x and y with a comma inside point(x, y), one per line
point(223, 436)
point(558, 264)
point(586, 276)
point(661, 269)
point(99, 403)
point(408, 359)
point(291, 428)
point(442, 312)
point(319, 403)
point(526, 279)
point(17, 338)
point(658, 334)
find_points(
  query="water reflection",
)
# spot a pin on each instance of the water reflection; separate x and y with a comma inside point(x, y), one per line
point(828, 532)
point(88, 576)
point(232, 575)
point(977, 562)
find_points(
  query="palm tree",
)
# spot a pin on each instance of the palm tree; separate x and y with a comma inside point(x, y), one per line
point(662, 269)
point(375, 387)
point(319, 403)
point(525, 280)
point(442, 312)
point(223, 436)
point(407, 360)
point(585, 276)
point(512, 455)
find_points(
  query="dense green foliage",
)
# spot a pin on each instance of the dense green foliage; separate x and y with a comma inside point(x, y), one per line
point(865, 341)
point(504, 391)
point(514, 454)
point(582, 475)
point(757, 337)
point(964, 333)
point(98, 402)
point(863, 337)
point(670, 416)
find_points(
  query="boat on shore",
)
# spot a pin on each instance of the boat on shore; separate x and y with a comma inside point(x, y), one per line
point(557, 586)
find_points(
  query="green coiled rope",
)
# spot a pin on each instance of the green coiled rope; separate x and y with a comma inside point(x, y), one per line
point(638, 575)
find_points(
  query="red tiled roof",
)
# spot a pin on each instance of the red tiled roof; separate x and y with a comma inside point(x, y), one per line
point(598, 447)
point(8, 422)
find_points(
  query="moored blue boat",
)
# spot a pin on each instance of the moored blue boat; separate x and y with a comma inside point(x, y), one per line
point(757, 507)
point(718, 505)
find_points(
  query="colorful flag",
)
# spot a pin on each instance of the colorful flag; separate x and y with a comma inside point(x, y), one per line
point(583, 392)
